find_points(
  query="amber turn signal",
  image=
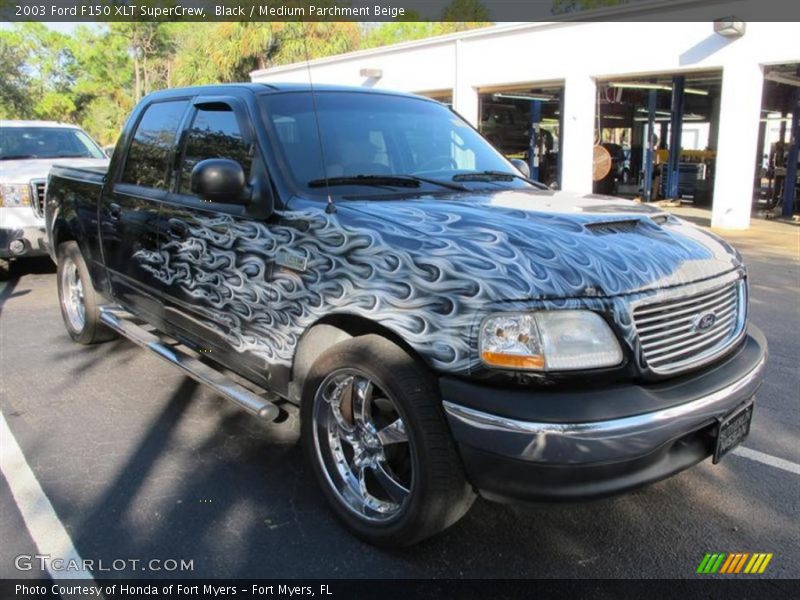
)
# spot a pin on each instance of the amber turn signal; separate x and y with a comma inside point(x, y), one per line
point(513, 361)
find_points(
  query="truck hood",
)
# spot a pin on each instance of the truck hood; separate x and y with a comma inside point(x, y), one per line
point(26, 170)
point(537, 244)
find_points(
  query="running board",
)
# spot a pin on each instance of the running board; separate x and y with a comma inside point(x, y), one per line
point(121, 321)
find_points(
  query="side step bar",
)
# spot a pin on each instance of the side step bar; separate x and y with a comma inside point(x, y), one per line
point(121, 321)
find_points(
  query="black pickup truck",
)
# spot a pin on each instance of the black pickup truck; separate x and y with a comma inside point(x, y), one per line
point(446, 326)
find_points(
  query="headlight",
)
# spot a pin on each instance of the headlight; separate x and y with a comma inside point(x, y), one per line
point(548, 341)
point(15, 195)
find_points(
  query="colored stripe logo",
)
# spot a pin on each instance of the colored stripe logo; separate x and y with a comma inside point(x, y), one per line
point(734, 563)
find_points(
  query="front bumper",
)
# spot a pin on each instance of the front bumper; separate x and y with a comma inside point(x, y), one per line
point(21, 223)
point(628, 436)
point(34, 240)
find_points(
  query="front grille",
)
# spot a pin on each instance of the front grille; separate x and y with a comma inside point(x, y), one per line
point(37, 196)
point(679, 333)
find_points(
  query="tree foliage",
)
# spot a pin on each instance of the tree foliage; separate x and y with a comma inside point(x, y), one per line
point(13, 99)
point(568, 6)
point(96, 75)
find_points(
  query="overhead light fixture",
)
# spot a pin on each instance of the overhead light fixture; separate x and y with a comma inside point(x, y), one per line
point(521, 96)
point(730, 27)
point(658, 112)
point(782, 78)
point(371, 73)
point(655, 86)
point(689, 117)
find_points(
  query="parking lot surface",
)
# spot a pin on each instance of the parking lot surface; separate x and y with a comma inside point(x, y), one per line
point(140, 463)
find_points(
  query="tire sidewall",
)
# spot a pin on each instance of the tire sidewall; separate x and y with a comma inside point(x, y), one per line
point(408, 526)
point(70, 250)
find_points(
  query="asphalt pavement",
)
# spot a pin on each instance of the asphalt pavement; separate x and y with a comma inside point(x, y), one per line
point(140, 463)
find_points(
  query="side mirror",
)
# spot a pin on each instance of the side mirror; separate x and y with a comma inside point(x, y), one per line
point(219, 180)
point(521, 166)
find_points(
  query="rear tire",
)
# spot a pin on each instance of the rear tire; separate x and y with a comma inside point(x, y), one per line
point(5, 269)
point(375, 433)
point(77, 298)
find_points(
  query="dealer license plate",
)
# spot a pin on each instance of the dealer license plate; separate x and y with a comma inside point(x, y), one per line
point(732, 430)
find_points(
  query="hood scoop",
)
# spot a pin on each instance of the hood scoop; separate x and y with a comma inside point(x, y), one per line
point(623, 225)
point(611, 227)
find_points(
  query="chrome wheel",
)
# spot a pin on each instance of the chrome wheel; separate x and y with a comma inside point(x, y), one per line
point(72, 298)
point(362, 445)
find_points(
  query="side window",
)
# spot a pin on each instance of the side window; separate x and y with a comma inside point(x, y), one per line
point(214, 133)
point(152, 144)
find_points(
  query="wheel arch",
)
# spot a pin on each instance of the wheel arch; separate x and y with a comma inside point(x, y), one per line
point(62, 232)
point(329, 331)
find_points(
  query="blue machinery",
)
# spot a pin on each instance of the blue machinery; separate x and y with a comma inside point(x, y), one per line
point(790, 182)
point(672, 171)
point(649, 145)
point(676, 126)
point(533, 146)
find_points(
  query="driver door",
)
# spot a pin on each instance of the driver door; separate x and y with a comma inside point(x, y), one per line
point(215, 274)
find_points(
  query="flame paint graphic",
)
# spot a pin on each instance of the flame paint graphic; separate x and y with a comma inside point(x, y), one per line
point(430, 277)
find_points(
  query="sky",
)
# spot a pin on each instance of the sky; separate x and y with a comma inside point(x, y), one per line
point(63, 27)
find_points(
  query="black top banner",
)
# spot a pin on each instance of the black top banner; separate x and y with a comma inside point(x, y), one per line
point(397, 10)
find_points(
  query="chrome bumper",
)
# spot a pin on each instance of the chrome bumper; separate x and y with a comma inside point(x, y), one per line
point(597, 442)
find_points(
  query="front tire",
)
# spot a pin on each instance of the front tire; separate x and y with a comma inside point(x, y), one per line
point(374, 431)
point(78, 299)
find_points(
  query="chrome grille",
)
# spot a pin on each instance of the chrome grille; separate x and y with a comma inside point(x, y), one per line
point(37, 196)
point(675, 334)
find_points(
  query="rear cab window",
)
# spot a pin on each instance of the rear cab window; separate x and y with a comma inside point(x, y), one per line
point(214, 133)
point(152, 146)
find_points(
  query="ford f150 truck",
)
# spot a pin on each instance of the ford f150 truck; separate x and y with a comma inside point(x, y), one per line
point(446, 326)
point(27, 151)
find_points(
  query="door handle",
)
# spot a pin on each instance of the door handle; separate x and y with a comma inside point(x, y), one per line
point(178, 229)
point(114, 211)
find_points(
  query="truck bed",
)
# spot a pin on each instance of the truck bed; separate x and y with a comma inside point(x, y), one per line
point(83, 174)
point(72, 190)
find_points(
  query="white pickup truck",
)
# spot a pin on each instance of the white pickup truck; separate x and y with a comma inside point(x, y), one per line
point(27, 151)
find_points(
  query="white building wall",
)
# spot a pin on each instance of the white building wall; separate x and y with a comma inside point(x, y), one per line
point(579, 54)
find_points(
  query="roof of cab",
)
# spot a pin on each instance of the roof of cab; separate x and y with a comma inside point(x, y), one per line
point(274, 88)
point(21, 123)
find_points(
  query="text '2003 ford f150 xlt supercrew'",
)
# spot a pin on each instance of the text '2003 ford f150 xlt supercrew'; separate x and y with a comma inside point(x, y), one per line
point(446, 325)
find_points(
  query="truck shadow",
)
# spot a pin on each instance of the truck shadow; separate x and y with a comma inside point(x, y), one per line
point(33, 266)
point(7, 292)
point(209, 483)
point(37, 265)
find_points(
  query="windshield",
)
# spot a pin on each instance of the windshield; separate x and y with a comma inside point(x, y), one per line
point(377, 137)
point(46, 142)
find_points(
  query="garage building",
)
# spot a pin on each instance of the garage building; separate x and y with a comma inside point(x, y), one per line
point(706, 112)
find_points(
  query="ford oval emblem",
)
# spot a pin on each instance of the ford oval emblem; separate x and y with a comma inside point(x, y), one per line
point(705, 322)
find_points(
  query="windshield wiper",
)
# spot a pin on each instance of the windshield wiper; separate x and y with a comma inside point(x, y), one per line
point(497, 176)
point(17, 156)
point(384, 180)
point(377, 180)
point(444, 184)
